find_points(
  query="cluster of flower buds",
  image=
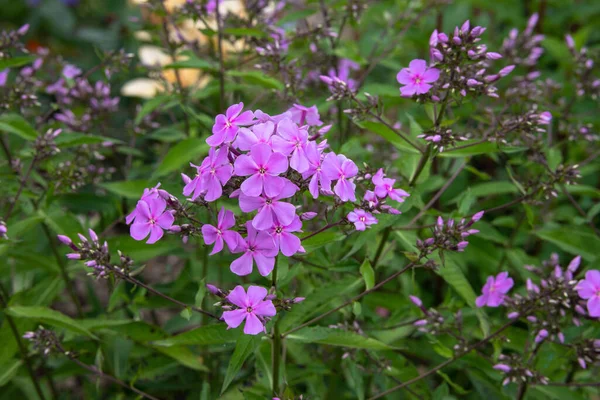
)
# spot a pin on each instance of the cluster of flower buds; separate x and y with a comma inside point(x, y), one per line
point(562, 175)
point(528, 128)
point(44, 341)
point(338, 79)
point(449, 235)
point(587, 82)
point(580, 131)
point(21, 92)
point(45, 145)
point(523, 49)
point(588, 352)
point(515, 371)
point(11, 40)
point(441, 137)
point(433, 322)
point(95, 255)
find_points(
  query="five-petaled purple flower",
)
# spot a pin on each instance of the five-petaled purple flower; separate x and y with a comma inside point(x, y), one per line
point(589, 289)
point(258, 247)
point(305, 115)
point(361, 219)
point(314, 170)
point(385, 187)
point(214, 172)
point(151, 219)
point(288, 243)
point(252, 309)
point(417, 78)
point(259, 133)
point(263, 165)
point(494, 290)
point(292, 140)
point(270, 208)
point(340, 168)
point(227, 125)
point(225, 220)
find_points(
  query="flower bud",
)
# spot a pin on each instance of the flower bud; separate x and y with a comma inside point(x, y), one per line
point(502, 367)
point(64, 239)
point(416, 301)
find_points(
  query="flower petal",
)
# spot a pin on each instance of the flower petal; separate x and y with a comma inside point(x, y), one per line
point(255, 295)
point(238, 297)
point(243, 265)
point(253, 325)
point(234, 318)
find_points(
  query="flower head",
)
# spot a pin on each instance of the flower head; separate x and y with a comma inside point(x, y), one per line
point(221, 233)
point(589, 289)
point(259, 133)
point(151, 220)
point(417, 78)
point(252, 309)
point(361, 219)
point(270, 208)
point(259, 248)
point(292, 139)
point(214, 172)
point(305, 115)
point(152, 193)
point(227, 125)
point(288, 243)
point(314, 170)
point(385, 187)
point(340, 168)
point(494, 290)
point(263, 166)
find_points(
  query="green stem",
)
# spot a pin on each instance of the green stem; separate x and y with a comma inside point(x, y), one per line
point(421, 166)
point(276, 360)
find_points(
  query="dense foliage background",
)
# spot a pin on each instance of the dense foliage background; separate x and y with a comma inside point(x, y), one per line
point(167, 71)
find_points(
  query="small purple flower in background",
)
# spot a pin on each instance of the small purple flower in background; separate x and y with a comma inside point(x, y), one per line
point(4, 77)
point(589, 289)
point(70, 71)
point(270, 208)
point(151, 220)
point(214, 172)
point(227, 125)
point(252, 308)
point(417, 78)
point(292, 140)
point(305, 115)
point(361, 219)
point(543, 334)
point(3, 230)
point(259, 133)
point(258, 247)
point(263, 165)
point(225, 220)
point(494, 290)
point(285, 241)
point(385, 187)
point(343, 73)
point(340, 168)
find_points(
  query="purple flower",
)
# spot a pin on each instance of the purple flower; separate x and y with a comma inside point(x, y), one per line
point(152, 193)
point(259, 133)
point(214, 172)
point(361, 219)
point(4, 76)
point(258, 247)
point(417, 78)
point(292, 140)
point(226, 126)
point(502, 367)
point(285, 241)
point(385, 187)
point(589, 289)
point(252, 307)
point(314, 171)
point(340, 168)
point(221, 233)
point(543, 334)
point(151, 220)
point(263, 166)
point(494, 290)
point(305, 115)
point(271, 208)
point(70, 71)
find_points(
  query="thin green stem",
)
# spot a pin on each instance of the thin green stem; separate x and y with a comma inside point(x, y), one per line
point(276, 358)
point(421, 166)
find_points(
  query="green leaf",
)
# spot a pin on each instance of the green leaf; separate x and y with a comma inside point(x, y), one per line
point(245, 346)
point(127, 189)
point(482, 148)
point(184, 356)
point(194, 63)
point(321, 239)
point(205, 335)
point(457, 388)
point(17, 125)
point(575, 241)
point(48, 316)
point(257, 78)
point(388, 135)
point(366, 270)
point(241, 32)
point(8, 370)
point(16, 62)
point(164, 101)
point(71, 139)
point(337, 337)
point(181, 154)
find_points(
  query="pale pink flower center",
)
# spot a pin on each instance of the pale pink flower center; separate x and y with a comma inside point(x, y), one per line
point(417, 79)
point(262, 170)
point(362, 219)
point(249, 309)
point(152, 221)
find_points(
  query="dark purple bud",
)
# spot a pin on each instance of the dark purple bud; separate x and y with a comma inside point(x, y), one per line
point(74, 256)
point(212, 288)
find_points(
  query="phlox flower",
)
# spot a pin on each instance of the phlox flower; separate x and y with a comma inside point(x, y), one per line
point(252, 309)
point(221, 233)
point(494, 290)
point(263, 166)
point(361, 219)
point(151, 220)
point(385, 187)
point(417, 78)
point(589, 289)
point(314, 170)
point(259, 133)
point(340, 168)
point(227, 125)
point(288, 243)
point(343, 72)
point(305, 115)
point(152, 193)
point(270, 208)
point(214, 172)
point(292, 140)
point(258, 247)
point(264, 117)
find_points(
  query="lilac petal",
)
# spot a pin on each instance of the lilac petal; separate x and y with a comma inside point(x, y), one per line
point(288, 190)
point(220, 123)
point(255, 295)
point(404, 77)
point(593, 276)
point(245, 139)
point(593, 306)
point(265, 309)
point(273, 185)
point(209, 233)
point(417, 66)
point(224, 173)
point(234, 110)
point(166, 220)
point(431, 75)
point(246, 118)
point(313, 186)
point(226, 218)
point(245, 165)
point(505, 285)
point(216, 139)
point(234, 318)
point(408, 90)
point(289, 244)
point(287, 129)
point(264, 264)
point(253, 186)
point(261, 153)
point(278, 163)
point(218, 246)
point(585, 289)
point(298, 161)
point(253, 325)
point(248, 204)
point(139, 231)
point(214, 189)
point(280, 145)
point(232, 239)
point(243, 265)
point(481, 301)
point(238, 297)
point(143, 210)
point(155, 234)
point(423, 88)
point(264, 219)
point(345, 190)
point(285, 212)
